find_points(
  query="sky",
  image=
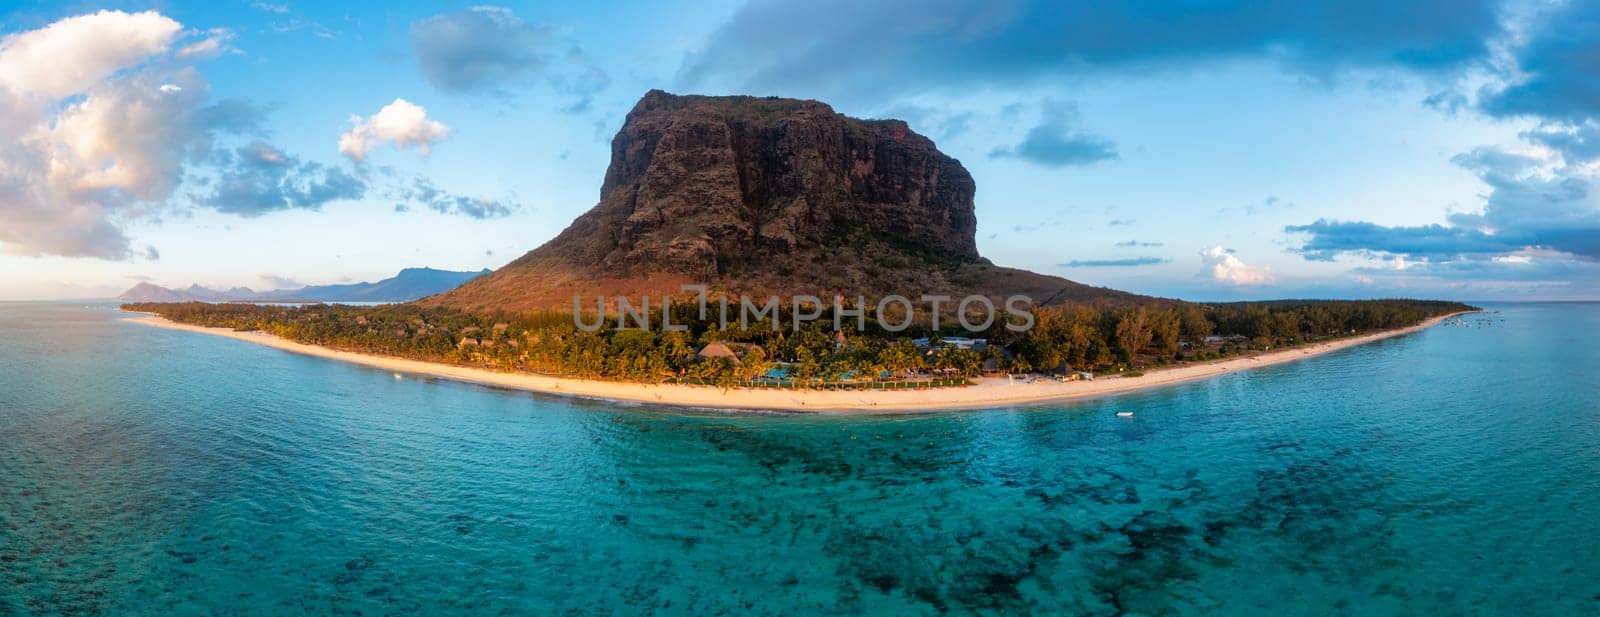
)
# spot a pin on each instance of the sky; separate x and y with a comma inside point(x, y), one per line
point(1214, 150)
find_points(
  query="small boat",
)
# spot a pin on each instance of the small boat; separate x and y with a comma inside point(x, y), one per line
point(1124, 414)
point(398, 376)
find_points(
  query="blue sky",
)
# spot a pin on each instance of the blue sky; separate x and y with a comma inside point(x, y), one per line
point(1209, 150)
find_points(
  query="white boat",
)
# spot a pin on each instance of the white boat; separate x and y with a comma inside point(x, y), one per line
point(1124, 414)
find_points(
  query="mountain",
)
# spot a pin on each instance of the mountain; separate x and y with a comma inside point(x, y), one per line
point(767, 195)
point(150, 292)
point(409, 284)
point(207, 294)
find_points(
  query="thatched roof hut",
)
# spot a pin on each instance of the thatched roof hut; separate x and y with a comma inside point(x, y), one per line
point(717, 349)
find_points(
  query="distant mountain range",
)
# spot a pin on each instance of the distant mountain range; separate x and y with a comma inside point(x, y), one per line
point(410, 284)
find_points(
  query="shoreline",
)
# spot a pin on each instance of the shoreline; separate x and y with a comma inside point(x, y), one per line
point(988, 391)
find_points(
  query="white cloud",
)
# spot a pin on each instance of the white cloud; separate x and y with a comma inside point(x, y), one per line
point(401, 123)
point(1223, 266)
point(122, 137)
point(66, 57)
point(96, 119)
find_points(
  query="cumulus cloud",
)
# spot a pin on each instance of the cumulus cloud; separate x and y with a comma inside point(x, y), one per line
point(1540, 217)
point(258, 178)
point(1329, 238)
point(1555, 70)
point(1222, 266)
point(841, 49)
point(1538, 233)
point(1055, 142)
point(1527, 273)
point(1529, 61)
point(70, 55)
point(485, 49)
point(98, 113)
point(401, 123)
point(1578, 143)
point(1539, 200)
point(1109, 263)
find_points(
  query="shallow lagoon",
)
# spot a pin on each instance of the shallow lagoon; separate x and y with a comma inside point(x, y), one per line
point(151, 471)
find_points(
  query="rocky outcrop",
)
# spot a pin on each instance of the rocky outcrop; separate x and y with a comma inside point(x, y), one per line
point(760, 194)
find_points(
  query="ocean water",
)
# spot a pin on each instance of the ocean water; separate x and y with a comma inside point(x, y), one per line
point(156, 472)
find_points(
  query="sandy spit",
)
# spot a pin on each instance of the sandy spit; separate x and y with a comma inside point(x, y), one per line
point(987, 393)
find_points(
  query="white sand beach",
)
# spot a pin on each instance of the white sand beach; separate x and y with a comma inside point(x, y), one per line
point(987, 393)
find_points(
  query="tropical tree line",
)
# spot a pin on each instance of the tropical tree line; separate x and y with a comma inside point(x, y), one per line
point(1074, 338)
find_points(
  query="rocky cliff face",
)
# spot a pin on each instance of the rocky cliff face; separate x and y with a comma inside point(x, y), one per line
point(761, 194)
point(726, 186)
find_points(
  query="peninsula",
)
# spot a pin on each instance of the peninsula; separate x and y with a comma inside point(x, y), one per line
point(983, 393)
point(767, 197)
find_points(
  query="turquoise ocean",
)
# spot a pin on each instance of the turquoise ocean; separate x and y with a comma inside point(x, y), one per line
point(144, 471)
